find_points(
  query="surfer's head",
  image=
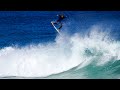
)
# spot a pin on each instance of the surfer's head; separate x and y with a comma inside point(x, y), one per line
point(62, 16)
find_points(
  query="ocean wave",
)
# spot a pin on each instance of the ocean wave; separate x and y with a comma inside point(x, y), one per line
point(93, 55)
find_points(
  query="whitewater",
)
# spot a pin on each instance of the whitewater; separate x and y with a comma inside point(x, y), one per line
point(96, 54)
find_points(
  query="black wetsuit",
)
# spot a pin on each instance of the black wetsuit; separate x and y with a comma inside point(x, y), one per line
point(60, 18)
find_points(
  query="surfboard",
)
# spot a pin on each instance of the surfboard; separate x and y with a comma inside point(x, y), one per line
point(55, 27)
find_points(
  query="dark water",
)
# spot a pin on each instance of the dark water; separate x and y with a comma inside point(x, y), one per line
point(88, 48)
point(23, 28)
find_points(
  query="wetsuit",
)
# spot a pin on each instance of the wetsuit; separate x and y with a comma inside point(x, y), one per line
point(60, 18)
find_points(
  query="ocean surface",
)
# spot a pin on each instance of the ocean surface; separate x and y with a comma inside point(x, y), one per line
point(88, 47)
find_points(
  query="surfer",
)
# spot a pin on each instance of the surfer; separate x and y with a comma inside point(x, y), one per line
point(60, 18)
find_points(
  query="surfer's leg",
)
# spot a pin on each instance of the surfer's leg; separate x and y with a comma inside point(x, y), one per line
point(60, 26)
point(55, 23)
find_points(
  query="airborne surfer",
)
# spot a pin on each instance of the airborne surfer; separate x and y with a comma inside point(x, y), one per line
point(58, 21)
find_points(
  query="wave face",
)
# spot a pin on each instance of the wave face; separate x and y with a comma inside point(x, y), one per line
point(93, 56)
point(86, 50)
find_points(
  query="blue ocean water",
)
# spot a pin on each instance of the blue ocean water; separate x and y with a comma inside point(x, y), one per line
point(31, 48)
point(23, 28)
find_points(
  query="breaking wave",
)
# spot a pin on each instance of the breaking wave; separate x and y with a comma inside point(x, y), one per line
point(92, 55)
